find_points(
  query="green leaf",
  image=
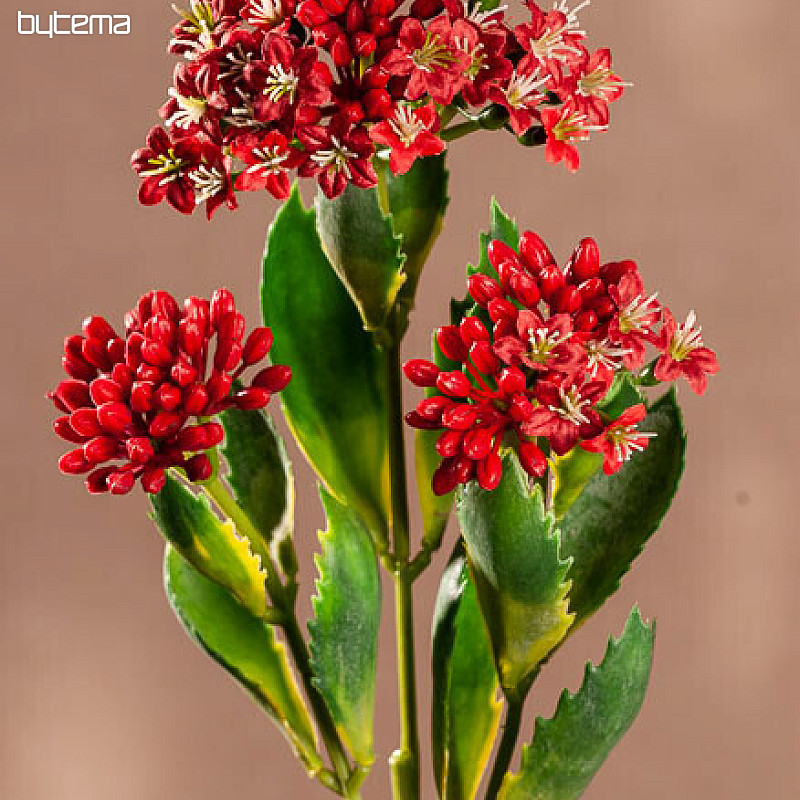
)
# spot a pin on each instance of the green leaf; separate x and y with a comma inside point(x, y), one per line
point(259, 474)
point(608, 525)
point(344, 635)
point(244, 646)
point(361, 245)
point(416, 202)
point(569, 749)
point(335, 402)
point(574, 470)
point(465, 711)
point(519, 573)
point(503, 228)
point(211, 546)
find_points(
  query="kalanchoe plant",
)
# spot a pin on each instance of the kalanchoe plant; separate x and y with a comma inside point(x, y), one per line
point(537, 423)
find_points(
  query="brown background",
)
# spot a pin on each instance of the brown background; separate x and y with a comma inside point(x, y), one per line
point(102, 696)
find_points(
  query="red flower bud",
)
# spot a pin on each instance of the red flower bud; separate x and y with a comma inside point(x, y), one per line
point(153, 480)
point(74, 462)
point(120, 482)
point(70, 395)
point(115, 417)
point(199, 468)
point(534, 253)
point(489, 472)
point(483, 358)
point(499, 252)
point(258, 344)
point(98, 328)
point(532, 459)
point(193, 439)
point(64, 429)
point(168, 397)
point(455, 384)
point(483, 289)
point(139, 449)
point(459, 417)
point(273, 378)
point(142, 393)
point(251, 399)
point(100, 449)
point(449, 443)
point(449, 340)
point(586, 260)
point(84, 422)
point(164, 424)
point(473, 330)
point(222, 304)
point(478, 443)
point(432, 408)
point(421, 372)
point(511, 381)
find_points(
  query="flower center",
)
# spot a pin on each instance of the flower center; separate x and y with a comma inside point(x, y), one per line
point(190, 110)
point(626, 440)
point(280, 83)
point(543, 343)
point(167, 165)
point(433, 54)
point(686, 339)
point(200, 17)
point(207, 181)
point(604, 354)
point(598, 82)
point(573, 127)
point(477, 57)
point(636, 316)
point(523, 89)
point(406, 125)
point(271, 160)
point(572, 405)
point(334, 159)
point(265, 12)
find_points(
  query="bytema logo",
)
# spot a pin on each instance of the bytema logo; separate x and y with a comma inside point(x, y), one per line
point(58, 24)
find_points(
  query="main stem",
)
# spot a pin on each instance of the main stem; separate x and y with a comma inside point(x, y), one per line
point(405, 761)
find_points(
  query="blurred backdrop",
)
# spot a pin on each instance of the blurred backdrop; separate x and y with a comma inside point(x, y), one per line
point(101, 693)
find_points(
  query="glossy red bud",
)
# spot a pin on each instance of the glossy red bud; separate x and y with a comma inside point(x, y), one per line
point(449, 443)
point(455, 384)
point(251, 399)
point(156, 353)
point(258, 344)
point(100, 449)
point(567, 300)
point(78, 368)
point(478, 443)
point(525, 289)
point(551, 279)
point(499, 252)
point(64, 429)
point(219, 386)
point(84, 422)
point(142, 396)
point(139, 449)
point(273, 378)
point(586, 321)
point(115, 417)
point(97, 481)
point(120, 482)
point(483, 289)
point(214, 434)
point(473, 330)
point(105, 390)
point(199, 468)
point(483, 358)
point(586, 260)
point(421, 372)
point(98, 328)
point(153, 480)
point(512, 381)
point(222, 304)
point(489, 471)
point(449, 340)
point(164, 424)
point(459, 417)
point(432, 408)
point(195, 401)
point(74, 462)
point(532, 459)
point(534, 253)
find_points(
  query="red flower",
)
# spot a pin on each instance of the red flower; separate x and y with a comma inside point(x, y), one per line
point(338, 154)
point(620, 440)
point(565, 413)
point(211, 179)
point(203, 25)
point(137, 406)
point(192, 107)
point(267, 14)
point(553, 35)
point(165, 166)
point(288, 79)
point(522, 94)
point(637, 313)
point(564, 127)
point(683, 353)
point(269, 158)
point(596, 85)
point(429, 59)
point(410, 133)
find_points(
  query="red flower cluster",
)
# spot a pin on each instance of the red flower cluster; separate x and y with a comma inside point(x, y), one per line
point(132, 400)
point(268, 87)
point(537, 355)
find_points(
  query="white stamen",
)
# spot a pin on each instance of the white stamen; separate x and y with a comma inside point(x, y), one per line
point(190, 111)
point(634, 317)
point(571, 406)
point(335, 159)
point(604, 354)
point(265, 12)
point(522, 88)
point(686, 338)
point(406, 125)
point(543, 342)
point(280, 82)
point(271, 160)
point(207, 182)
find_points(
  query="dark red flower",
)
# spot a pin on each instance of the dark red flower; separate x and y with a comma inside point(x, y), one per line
point(596, 85)
point(410, 133)
point(338, 154)
point(565, 126)
point(636, 315)
point(165, 165)
point(429, 58)
point(683, 353)
point(269, 158)
point(139, 405)
point(522, 93)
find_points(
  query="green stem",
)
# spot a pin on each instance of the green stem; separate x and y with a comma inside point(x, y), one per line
point(405, 761)
point(505, 751)
point(461, 129)
point(284, 602)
